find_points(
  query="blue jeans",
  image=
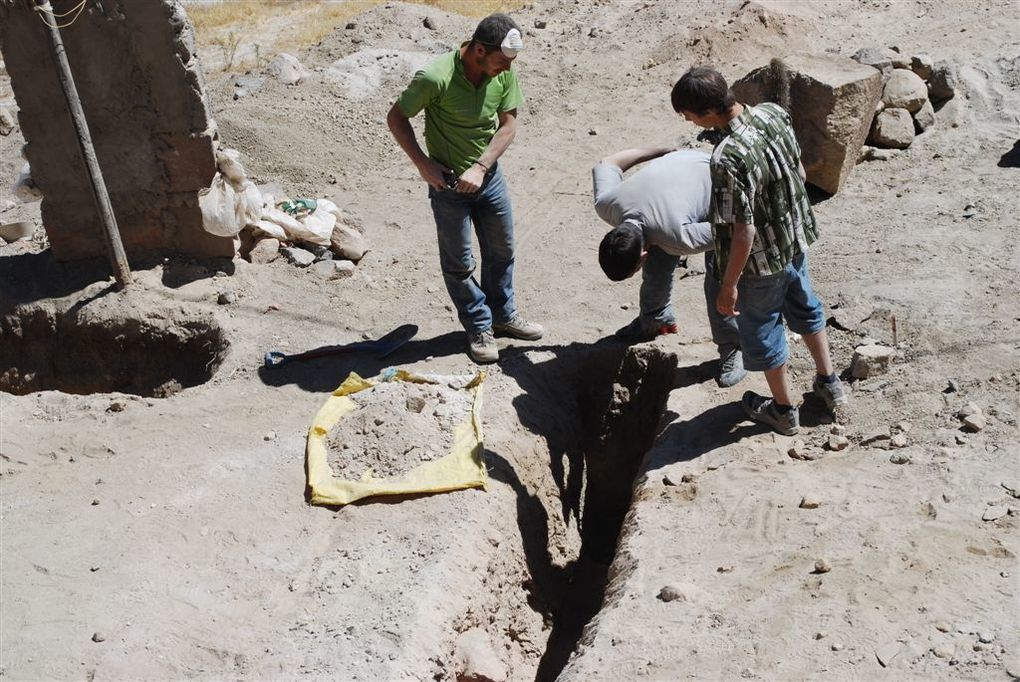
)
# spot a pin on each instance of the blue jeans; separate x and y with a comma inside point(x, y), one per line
point(657, 291)
point(479, 304)
point(764, 302)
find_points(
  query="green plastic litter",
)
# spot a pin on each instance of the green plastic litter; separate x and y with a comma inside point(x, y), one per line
point(297, 206)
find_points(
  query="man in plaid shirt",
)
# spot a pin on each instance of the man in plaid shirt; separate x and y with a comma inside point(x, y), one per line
point(762, 224)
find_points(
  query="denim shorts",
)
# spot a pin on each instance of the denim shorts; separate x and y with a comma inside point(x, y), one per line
point(764, 302)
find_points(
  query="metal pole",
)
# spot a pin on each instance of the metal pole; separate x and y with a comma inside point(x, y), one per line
point(111, 234)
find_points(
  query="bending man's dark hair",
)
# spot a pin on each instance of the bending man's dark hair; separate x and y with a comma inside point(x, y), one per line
point(702, 90)
point(492, 30)
point(620, 251)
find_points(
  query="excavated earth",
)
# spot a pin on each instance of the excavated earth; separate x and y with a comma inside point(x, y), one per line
point(154, 518)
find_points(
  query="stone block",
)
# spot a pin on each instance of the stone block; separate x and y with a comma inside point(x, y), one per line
point(831, 100)
point(348, 243)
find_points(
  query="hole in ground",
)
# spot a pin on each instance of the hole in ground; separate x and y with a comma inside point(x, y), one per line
point(600, 405)
point(81, 351)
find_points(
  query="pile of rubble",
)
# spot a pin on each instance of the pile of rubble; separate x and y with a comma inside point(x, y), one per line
point(911, 86)
point(308, 233)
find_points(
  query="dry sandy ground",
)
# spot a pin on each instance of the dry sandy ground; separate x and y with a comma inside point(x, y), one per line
point(180, 534)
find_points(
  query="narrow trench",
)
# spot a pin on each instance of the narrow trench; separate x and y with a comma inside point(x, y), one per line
point(152, 354)
point(617, 396)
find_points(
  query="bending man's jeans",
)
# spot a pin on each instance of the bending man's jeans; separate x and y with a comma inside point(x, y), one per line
point(657, 291)
point(478, 303)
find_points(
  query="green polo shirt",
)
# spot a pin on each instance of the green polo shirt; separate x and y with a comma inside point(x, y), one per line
point(460, 119)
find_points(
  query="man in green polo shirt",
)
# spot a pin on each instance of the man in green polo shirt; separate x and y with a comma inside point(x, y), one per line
point(470, 98)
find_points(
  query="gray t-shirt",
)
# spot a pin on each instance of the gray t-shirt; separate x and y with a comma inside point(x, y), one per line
point(668, 199)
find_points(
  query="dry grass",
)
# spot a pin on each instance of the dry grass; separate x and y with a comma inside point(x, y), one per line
point(233, 30)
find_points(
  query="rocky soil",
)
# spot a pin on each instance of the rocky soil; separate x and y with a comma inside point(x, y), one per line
point(169, 537)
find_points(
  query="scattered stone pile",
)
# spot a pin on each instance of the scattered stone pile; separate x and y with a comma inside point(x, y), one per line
point(912, 85)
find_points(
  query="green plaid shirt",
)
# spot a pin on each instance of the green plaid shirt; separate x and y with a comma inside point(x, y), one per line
point(755, 180)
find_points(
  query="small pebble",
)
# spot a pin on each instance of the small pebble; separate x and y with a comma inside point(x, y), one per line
point(226, 298)
point(821, 634)
point(944, 651)
point(899, 458)
point(968, 410)
point(943, 626)
point(974, 423)
point(593, 131)
point(898, 441)
point(797, 450)
point(95, 502)
point(671, 593)
point(836, 646)
point(93, 569)
point(986, 637)
point(808, 502)
point(270, 435)
point(822, 566)
point(724, 569)
point(838, 430)
point(904, 427)
point(837, 443)
point(116, 406)
point(994, 513)
point(98, 637)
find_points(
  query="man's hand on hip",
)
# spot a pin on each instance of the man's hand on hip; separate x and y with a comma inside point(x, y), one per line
point(432, 173)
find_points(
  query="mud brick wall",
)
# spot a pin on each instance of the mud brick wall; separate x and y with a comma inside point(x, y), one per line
point(141, 86)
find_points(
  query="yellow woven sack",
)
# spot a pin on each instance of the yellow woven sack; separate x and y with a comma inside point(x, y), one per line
point(461, 468)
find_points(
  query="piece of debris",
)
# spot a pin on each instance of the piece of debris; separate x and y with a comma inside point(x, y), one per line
point(671, 593)
point(287, 69)
point(476, 660)
point(8, 124)
point(264, 251)
point(969, 211)
point(429, 23)
point(994, 512)
point(808, 502)
point(898, 441)
point(297, 256)
point(270, 435)
point(226, 298)
point(1012, 487)
point(797, 450)
point(886, 653)
point(540, 23)
point(822, 566)
point(973, 423)
point(98, 637)
point(347, 243)
point(899, 458)
point(837, 443)
point(922, 64)
point(943, 81)
point(877, 436)
point(116, 406)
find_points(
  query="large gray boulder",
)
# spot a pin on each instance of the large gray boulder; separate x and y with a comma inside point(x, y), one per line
point(904, 90)
point(831, 100)
point(893, 129)
point(943, 81)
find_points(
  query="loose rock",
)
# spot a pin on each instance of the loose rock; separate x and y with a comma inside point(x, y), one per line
point(671, 593)
point(943, 626)
point(287, 69)
point(994, 513)
point(878, 436)
point(869, 153)
point(922, 65)
point(899, 458)
point(822, 566)
point(974, 423)
point(98, 637)
point(898, 441)
point(924, 118)
point(885, 654)
point(226, 298)
point(837, 443)
point(297, 256)
point(116, 406)
point(270, 435)
point(348, 243)
point(264, 251)
point(943, 651)
point(429, 23)
point(808, 502)
point(475, 658)
point(904, 90)
point(968, 410)
point(986, 637)
point(943, 81)
point(871, 360)
point(540, 23)
point(892, 128)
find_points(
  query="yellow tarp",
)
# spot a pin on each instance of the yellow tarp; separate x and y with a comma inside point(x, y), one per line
point(461, 468)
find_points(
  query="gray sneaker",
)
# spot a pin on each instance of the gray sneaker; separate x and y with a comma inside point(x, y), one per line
point(731, 368)
point(482, 347)
point(835, 398)
point(763, 410)
point(519, 328)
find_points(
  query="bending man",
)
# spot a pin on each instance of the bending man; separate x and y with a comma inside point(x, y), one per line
point(658, 215)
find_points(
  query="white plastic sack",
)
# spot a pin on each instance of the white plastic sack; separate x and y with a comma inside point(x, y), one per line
point(228, 162)
point(327, 206)
point(250, 199)
point(311, 230)
point(267, 228)
point(222, 214)
point(321, 223)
